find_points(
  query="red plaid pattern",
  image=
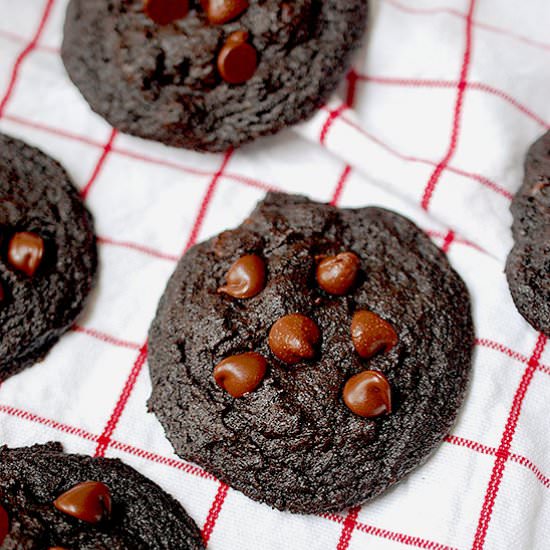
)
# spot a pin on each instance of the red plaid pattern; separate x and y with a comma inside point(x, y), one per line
point(433, 121)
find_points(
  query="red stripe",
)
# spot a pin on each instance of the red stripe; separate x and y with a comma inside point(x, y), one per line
point(104, 439)
point(485, 26)
point(340, 186)
point(349, 525)
point(503, 452)
point(448, 241)
point(417, 542)
point(430, 187)
point(22, 56)
point(199, 472)
point(545, 480)
point(107, 338)
point(332, 116)
point(14, 37)
point(106, 150)
point(199, 220)
point(479, 86)
point(470, 175)
point(138, 248)
point(214, 512)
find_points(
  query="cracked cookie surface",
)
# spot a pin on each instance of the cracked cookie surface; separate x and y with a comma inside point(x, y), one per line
point(37, 198)
point(528, 265)
point(292, 442)
point(162, 82)
point(142, 516)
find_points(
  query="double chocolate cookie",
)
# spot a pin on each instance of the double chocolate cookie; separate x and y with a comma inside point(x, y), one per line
point(312, 357)
point(528, 265)
point(48, 255)
point(213, 74)
point(52, 500)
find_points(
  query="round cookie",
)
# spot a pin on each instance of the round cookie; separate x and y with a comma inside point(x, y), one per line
point(122, 510)
point(297, 439)
point(528, 265)
point(48, 255)
point(164, 81)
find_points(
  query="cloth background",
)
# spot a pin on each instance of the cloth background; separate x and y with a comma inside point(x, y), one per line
point(444, 101)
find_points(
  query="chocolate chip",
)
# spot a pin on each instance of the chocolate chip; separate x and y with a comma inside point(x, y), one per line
point(245, 278)
point(293, 338)
point(368, 394)
point(240, 374)
point(4, 524)
point(237, 60)
point(25, 252)
point(2, 294)
point(223, 11)
point(164, 12)
point(371, 334)
point(337, 274)
point(89, 501)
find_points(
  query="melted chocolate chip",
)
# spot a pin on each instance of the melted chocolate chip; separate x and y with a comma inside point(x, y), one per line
point(237, 60)
point(164, 12)
point(245, 278)
point(240, 374)
point(25, 252)
point(4, 524)
point(223, 11)
point(368, 394)
point(337, 274)
point(89, 501)
point(371, 334)
point(294, 338)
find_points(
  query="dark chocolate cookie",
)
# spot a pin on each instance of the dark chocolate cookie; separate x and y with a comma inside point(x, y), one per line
point(189, 77)
point(312, 357)
point(49, 499)
point(48, 255)
point(528, 265)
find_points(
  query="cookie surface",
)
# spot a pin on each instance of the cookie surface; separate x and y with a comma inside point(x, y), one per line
point(162, 82)
point(292, 442)
point(528, 265)
point(48, 255)
point(142, 517)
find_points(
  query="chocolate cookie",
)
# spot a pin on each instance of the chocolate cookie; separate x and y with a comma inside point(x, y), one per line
point(48, 255)
point(312, 357)
point(213, 74)
point(49, 499)
point(528, 265)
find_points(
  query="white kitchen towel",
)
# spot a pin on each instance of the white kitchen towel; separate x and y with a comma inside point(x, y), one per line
point(433, 121)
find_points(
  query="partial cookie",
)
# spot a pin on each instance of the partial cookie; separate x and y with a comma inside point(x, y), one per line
point(49, 499)
point(209, 75)
point(528, 265)
point(312, 357)
point(48, 256)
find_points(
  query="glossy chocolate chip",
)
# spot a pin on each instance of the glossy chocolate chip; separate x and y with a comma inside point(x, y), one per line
point(245, 278)
point(368, 394)
point(89, 501)
point(337, 274)
point(294, 338)
point(25, 252)
point(223, 11)
point(240, 374)
point(164, 12)
point(4, 524)
point(237, 60)
point(371, 334)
